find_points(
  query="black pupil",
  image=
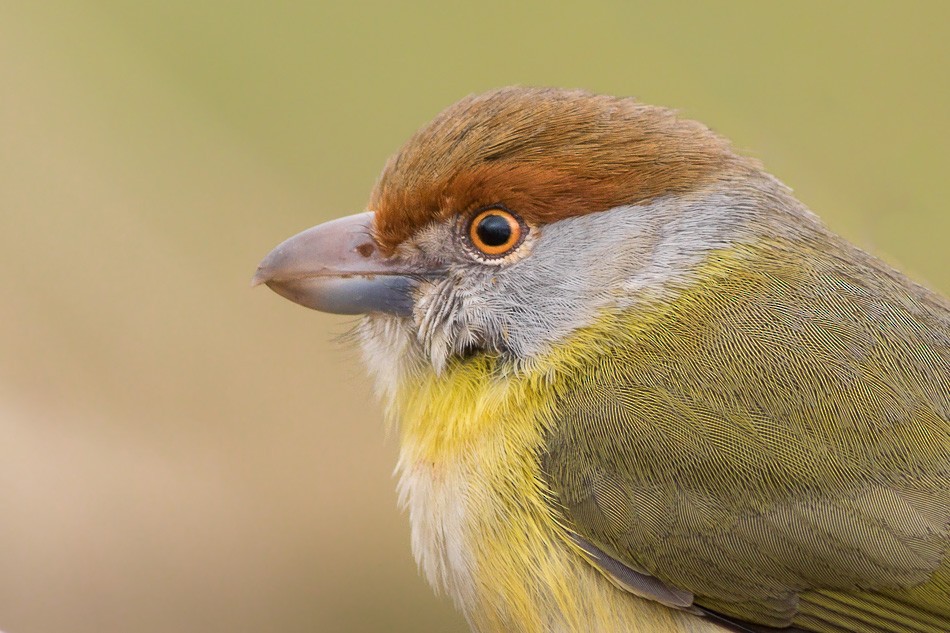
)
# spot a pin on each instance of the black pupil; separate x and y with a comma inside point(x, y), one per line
point(493, 230)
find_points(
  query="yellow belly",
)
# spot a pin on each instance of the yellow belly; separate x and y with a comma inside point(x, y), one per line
point(482, 528)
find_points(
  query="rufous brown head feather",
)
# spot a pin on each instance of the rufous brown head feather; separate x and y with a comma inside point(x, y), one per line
point(547, 154)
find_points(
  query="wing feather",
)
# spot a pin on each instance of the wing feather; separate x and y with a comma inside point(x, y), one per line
point(774, 442)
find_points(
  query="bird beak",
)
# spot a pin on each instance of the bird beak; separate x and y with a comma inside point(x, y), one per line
point(337, 267)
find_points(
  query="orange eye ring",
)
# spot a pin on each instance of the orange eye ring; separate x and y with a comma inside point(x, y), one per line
point(495, 232)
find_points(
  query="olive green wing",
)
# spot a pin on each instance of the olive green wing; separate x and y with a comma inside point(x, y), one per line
point(774, 443)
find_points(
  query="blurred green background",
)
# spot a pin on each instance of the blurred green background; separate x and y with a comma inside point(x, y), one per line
point(179, 452)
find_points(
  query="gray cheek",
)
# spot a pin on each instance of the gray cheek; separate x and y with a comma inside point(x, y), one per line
point(572, 273)
point(576, 268)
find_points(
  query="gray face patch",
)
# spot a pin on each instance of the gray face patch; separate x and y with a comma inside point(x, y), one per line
point(576, 269)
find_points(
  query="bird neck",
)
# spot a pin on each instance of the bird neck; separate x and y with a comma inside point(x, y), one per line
point(482, 520)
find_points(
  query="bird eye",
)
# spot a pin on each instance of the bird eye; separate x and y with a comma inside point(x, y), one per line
point(495, 232)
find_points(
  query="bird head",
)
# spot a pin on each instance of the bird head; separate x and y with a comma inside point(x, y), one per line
point(518, 216)
point(593, 318)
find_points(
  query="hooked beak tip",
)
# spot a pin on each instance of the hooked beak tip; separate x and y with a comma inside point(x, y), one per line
point(262, 276)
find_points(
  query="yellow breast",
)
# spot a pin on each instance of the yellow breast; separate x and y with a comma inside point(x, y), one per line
point(482, 526)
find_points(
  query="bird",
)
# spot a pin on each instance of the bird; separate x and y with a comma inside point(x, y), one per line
point(638, 385)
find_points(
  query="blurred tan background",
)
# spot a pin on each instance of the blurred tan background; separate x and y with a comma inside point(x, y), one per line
point(181, 453)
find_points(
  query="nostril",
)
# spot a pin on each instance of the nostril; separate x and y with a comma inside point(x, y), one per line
point(366, 249)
